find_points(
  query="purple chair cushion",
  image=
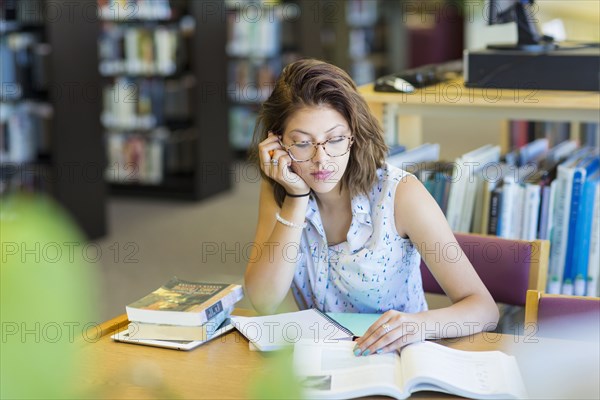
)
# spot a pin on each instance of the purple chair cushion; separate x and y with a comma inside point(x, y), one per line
point(570, 318)
point(502, 264)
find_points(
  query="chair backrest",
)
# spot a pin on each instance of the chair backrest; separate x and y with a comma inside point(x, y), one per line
point(555, 315)
point(508, 268)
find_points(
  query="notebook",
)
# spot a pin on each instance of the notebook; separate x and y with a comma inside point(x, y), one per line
point(357, 323)
point(273, 332)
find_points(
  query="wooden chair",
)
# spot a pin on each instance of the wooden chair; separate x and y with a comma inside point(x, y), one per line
point(568, 317)
point(508, 268)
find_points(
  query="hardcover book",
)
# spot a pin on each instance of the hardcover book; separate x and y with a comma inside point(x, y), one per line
point(180, 302)
point(141, 330)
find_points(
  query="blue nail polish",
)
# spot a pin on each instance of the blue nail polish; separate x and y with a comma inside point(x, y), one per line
point(379, 351)
point(357, 352)
point(367, 352)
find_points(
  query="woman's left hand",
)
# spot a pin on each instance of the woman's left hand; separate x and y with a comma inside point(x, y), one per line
point(392, 331)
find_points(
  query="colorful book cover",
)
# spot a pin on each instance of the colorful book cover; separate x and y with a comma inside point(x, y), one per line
point(583, 233)
point(180, 302)
point(579, 173)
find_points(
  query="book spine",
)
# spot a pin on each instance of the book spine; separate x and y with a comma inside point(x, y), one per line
point(532, 204)
point(593, 281)
point(475, 226)
point(583, 231)
point(495, 200)
point(558, 234)
point(508, 209)
point(571, 216)
point(518, 215)
point(468, 203)
point(225, 299)
point(445, 192)
point(485, 212)
point(543, 225)
point(214, 323)
point(456, 192)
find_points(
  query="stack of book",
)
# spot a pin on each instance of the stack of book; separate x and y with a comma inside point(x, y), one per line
point(182, 311)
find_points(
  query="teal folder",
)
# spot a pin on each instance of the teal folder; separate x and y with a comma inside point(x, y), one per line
point(357, 323)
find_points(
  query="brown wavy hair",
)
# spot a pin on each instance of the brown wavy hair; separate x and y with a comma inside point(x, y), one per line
point(310, 83)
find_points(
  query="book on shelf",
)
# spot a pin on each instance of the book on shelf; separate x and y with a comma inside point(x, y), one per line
point(522, 132)
point(538, 192)
point(25, 133)
point(24, 65)
point(141, 330)
point(568, 183)
point(157, 102)
point(136, 157)
point(423, 153)
point(241, 126)
point(274, 332)
point(256, 38)
point(180, 302)
point(251, 80)
point(332, 371)
point(139, 50)
point(593, 271)
point(118, 10)
point(464, 185)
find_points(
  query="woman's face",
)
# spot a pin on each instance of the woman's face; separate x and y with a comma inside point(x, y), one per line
point(322, 172)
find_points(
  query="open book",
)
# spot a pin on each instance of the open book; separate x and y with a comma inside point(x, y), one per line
point(331, 370)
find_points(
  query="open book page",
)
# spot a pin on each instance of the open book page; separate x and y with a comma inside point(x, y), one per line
point(481, 374)
point(333, 371)
point(272, 332)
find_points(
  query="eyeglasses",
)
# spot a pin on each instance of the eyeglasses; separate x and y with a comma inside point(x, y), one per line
point(304, 151)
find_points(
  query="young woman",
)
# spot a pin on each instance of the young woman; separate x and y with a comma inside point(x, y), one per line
point(345, 230)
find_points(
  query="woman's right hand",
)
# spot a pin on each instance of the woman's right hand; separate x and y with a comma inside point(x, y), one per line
point(276, 164)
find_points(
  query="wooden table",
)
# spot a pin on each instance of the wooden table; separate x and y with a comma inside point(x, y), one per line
point(453, 99)
point(222, 368)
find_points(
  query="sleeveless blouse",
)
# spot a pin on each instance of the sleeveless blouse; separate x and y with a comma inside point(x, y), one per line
point(373, 271)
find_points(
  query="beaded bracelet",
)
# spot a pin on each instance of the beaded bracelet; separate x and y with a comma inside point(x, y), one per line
point(289, 223)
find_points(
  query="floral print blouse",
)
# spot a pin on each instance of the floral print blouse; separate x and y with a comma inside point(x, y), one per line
point(373, 271)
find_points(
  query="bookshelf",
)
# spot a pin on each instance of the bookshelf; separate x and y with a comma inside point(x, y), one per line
point(452, 99)
point(357, 36)
point(164, 115)
point(546, 189)
point(264, 36)
point(50, 139)
point(257, 49)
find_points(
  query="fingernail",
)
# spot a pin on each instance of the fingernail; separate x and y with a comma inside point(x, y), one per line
point(357, 352)
point(379, 351)
point(367, 352)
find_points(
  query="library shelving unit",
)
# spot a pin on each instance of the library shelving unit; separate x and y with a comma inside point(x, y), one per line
point(551, 196)
point(355, 36)
point(255, 59)
point(50, 141)
point(263, 37)
point(453, 99)
point(164, 114)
